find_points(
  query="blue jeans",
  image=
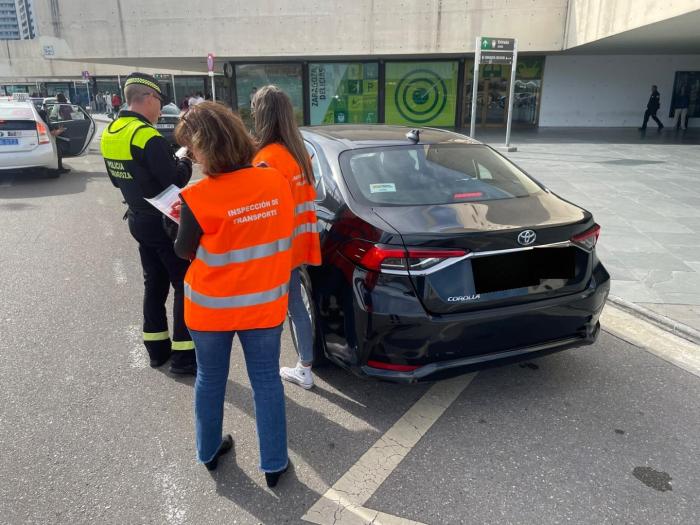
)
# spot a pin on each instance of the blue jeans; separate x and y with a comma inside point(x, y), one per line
point(261, 349)
point(299, 317)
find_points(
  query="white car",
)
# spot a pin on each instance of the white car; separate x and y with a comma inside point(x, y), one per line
point(26, 141)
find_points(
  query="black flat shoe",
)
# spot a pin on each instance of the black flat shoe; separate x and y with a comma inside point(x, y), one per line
point(185, 370)
point(226, 445)
point(273, 477)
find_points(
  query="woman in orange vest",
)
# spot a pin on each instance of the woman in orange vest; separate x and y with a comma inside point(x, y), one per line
point(236, 227)
point(282, 147)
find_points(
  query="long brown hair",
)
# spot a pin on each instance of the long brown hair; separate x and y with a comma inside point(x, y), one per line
point(273, 115)
point(219, 135)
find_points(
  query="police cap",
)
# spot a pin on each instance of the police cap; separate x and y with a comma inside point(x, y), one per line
point(145, 80)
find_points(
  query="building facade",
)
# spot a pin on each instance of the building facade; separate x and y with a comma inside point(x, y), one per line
point(580, 62)
point(25, 19)
point(9, 26)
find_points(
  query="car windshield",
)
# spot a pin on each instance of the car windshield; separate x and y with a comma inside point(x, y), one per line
point(432, 174)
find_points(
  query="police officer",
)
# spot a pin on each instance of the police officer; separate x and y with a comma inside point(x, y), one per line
point(141, 164)
point(652, 107)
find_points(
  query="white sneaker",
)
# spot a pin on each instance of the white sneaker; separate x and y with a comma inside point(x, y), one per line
point(301, 375)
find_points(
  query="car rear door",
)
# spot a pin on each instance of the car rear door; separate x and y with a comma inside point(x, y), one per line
point(79, 128)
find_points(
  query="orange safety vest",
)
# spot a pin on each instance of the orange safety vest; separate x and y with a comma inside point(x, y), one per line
point(306, 248)
point(240, 276)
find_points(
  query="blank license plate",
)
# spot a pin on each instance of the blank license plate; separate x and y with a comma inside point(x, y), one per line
point(9, 142)
point(165, 126)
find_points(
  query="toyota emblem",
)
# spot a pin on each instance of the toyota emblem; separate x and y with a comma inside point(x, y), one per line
point(527, 237)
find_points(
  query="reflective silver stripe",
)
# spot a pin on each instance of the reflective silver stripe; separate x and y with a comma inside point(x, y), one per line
point(243, 254)
point(304, 206)
point(307, 227)
point(236, 301)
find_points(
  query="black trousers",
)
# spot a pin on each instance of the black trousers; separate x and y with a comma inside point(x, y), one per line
point(649, 113)
point(161, 270)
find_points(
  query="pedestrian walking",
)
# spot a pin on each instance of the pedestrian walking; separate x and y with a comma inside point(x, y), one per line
point(140, 163)
point(680, 106)
point(282, 147)
point(652, 107)
point(235, 226)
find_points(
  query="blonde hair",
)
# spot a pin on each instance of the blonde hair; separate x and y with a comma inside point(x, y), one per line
point(273, 114)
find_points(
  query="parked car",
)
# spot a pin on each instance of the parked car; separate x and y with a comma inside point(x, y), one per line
point(441, 255)
point(169, 117)
point(26, 141)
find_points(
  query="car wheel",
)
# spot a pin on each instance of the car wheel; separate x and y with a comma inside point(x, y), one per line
point(319, 355)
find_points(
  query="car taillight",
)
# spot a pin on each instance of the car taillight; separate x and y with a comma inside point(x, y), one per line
point(43, 133)
point(588, 239)
point(379, 257)
point(393, 367)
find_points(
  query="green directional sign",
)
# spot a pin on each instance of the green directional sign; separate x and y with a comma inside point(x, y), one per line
point(489, 43)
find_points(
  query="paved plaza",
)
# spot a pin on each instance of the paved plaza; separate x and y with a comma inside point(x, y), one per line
point(644, 191)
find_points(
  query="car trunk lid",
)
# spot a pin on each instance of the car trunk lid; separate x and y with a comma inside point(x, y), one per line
point(497, 269)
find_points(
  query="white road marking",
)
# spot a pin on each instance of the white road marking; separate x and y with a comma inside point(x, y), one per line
point(669, 347)
point(119, 272)
point(175, 514)
point(137, 352)
point(343, 503)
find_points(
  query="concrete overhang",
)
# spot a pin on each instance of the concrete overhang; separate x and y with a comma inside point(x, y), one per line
point(679, 35)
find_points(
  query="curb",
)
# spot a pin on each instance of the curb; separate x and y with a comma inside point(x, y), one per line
point(675, 327)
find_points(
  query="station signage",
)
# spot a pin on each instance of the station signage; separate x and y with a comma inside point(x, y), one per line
point(496, 50)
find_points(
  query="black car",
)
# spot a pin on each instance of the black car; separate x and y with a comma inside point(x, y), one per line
point(169, 117)
point(441, 255)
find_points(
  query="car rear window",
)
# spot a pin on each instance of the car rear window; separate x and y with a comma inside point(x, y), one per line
point(16, 113)
point(432, 174)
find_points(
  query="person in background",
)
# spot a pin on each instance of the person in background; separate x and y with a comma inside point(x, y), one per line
point(64, 109)
point(140, 163)
point(652, 107)
point(235, 225)
point(680, 105)
point(185, 104)
point(282, 147)
point(116, 103)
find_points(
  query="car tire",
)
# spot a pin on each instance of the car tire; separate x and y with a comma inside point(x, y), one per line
point(319, 354)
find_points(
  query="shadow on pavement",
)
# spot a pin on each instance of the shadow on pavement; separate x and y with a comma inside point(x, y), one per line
point(33, 185)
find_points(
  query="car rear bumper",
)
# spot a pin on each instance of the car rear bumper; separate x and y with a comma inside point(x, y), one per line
point(43, 156)
point(436, 344)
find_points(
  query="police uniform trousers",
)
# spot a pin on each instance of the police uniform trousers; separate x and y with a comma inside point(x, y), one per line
point(162, 268)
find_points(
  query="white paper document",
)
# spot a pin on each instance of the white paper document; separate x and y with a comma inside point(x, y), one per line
point(165, 200)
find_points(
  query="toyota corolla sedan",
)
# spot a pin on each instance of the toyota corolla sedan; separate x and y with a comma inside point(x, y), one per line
point(440, 256)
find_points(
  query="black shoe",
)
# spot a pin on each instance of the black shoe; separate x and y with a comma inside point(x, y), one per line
point(273, 477)
point(661, 127)
point(155, 363)
point(61, 171)
point(226, 445)
point(184, 370)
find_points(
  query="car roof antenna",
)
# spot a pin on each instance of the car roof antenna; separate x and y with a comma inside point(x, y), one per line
point(413, 135)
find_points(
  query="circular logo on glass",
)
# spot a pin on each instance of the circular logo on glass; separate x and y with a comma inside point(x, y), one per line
point(420, 96)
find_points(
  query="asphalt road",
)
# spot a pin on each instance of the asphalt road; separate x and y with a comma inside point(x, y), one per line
point(90, 434)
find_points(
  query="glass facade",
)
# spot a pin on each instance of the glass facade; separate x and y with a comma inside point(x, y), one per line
point(250, 77)
point(343, 93)
point(422, 93)
point(492, 94)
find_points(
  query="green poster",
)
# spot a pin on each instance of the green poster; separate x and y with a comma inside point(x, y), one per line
point(421, 93)
point(343, 93)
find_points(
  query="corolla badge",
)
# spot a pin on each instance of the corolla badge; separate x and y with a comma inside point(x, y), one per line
point(527, 237)
point(462, 298)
